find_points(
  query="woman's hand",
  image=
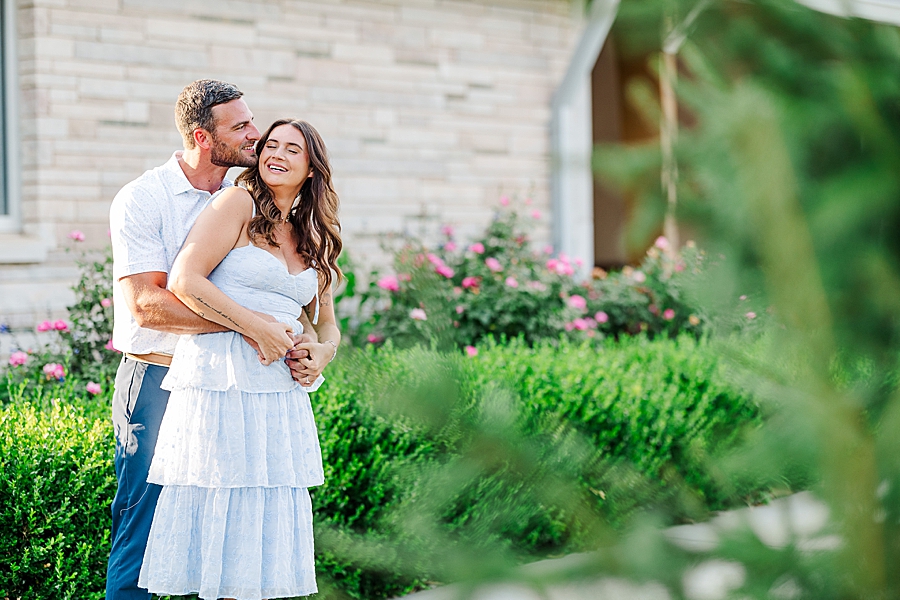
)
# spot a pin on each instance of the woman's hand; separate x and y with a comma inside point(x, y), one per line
point(274, 340)
point(311, 367)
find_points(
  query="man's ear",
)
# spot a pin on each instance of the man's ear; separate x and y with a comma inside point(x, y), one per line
point(202, 138)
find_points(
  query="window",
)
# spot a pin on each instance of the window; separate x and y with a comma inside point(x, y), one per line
point(9, 193)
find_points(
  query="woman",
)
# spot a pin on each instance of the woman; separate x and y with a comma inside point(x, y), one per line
point(237, 449)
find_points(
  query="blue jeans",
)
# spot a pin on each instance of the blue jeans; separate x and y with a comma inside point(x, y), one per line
point(137, 410)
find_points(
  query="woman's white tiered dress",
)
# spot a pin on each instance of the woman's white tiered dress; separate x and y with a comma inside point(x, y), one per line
point(237, 450)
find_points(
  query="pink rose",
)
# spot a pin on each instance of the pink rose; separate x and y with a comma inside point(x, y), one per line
point(668, 314)
point(434, 259)
point(662, 243)
point(477, 248)
point(493, 264)
point(93, 388)
point(418, 314)
point(535, 214)
point(76, 235)
point(447, 230)
point(106, 303)
point(511, 282)
point(679, 266)
point(45, 326)
point(471, 350)
point(576, 301)
point(569, 326)
point(460, 309)
point(54, 371)
point(389, 283)
point(470, 282)
point(548, 249)
point(60, 325)
point(444, 270)
point(580, 324)
point(374, 338)
point(751, 315)
point(17, 358)
point(504, 200)
point(560, 266)
point(537, 286)
point(639, 276)
point(601, 317)
point(450, 247)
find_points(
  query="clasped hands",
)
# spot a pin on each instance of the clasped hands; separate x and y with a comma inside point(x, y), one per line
point(304, 356)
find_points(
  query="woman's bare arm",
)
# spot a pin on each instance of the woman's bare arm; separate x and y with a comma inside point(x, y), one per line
point(218, 229)
point(328, 334)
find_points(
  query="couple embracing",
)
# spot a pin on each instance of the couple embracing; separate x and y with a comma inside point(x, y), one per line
point(224, 313)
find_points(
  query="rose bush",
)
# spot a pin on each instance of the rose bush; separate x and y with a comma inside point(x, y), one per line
point(80, 347)
point(499, 286)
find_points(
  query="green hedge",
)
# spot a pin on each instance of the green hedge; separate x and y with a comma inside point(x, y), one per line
point(56, 484)
point(645, 413)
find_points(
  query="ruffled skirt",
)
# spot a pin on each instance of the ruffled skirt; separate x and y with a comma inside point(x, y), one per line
point(245, 543)
point(234, 518)
point(237, 439)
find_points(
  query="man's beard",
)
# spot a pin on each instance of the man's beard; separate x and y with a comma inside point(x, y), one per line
point(223, 155)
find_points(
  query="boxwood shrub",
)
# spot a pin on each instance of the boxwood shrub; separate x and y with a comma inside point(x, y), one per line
point(646, 413)
point(56, 485)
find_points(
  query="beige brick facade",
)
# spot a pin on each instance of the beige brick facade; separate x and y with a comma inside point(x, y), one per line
point(431, 109)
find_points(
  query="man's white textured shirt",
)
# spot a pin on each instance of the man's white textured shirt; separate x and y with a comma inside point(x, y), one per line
point(149, 221)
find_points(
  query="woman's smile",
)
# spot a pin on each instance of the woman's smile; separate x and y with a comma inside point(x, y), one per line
point(285, 157)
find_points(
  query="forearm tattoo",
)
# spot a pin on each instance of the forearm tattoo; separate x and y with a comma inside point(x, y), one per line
point(215, 310)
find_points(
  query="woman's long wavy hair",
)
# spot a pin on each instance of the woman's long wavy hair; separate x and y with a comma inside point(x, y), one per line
point(315, 213)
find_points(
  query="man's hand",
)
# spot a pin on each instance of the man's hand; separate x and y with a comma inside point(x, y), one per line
point(297, 355)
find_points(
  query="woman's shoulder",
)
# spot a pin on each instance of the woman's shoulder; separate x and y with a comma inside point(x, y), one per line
point(233, 199)
point(233, 194)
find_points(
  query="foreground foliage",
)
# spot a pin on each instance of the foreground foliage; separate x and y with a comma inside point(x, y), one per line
point(621, 426)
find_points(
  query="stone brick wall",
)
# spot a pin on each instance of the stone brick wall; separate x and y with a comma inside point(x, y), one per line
point(431, 109)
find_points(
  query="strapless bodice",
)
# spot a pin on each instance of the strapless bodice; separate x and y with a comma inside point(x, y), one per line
point(255, 279)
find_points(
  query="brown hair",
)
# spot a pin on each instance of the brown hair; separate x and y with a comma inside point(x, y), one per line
point(314, 217)
point(193, 110)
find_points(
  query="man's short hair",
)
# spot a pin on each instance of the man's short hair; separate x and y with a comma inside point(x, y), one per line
point(194, 107)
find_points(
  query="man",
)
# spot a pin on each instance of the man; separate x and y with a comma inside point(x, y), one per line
point(149, 221)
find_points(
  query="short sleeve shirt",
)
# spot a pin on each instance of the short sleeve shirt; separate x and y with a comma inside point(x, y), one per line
point(149, 220)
